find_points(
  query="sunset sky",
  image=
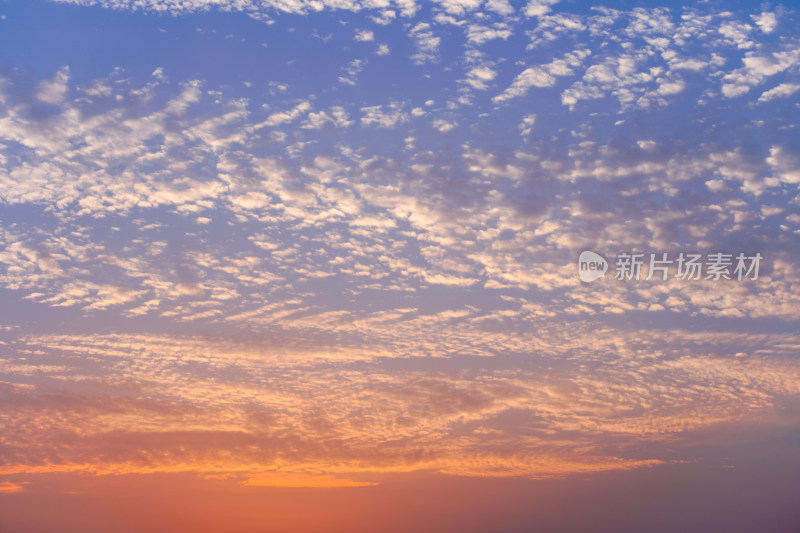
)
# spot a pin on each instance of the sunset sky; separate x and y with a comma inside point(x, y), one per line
point(312, 266)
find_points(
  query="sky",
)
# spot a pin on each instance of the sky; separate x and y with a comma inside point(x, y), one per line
point(286, 265)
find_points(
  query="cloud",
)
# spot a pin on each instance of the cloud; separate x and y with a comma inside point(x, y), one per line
point(364, 35)
point(526, 126)
point(8, 487)
point(338, 117)
point(377, 116)
point(480, 34)
point(552, 27)
point(779, 91)
point(352, 70)
point(737, 33)
point(501, 7)
point(766, 21)
point(670, 87)
point(282, 117)
point(442, 125)
point(257, 9)
point(272, 416)
point(537, 8)
point(386, 16)
point(530, 77)
point(458, 7)
point(478, 77)
point(53, 91)
point(427, 45)
point(140, 162)
point(785, 164)
point(542, 76)
point(381, 284)
point(757, 68)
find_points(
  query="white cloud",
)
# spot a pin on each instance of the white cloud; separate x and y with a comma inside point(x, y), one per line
point(542, 76)
point(53, 91)
point(731, 90)
point(443, 18)
point(785, 164)
point(189, 96)
point(501, 7)
point(275, 87)
point(670, 87)
point(551, 27)
point(526, 126)
point(479, 77)
point(530, 77)
point(678, 63)
point(766, 21)
point(337, 117)
point(364, 35)
point(408, 8)
point(537, 8)
point(376, 116)
point(257, 9)
point(385, 17)
point(426, 43)
point(352, 70)
point(98, 89)
point(780, 91)
point(250, 200)
point(459, 7)
point(442, 125)
point(649, 22)
point(480, 34)
point(756, 69)
point(646, 145)
point(737, 33)
point(282, 117)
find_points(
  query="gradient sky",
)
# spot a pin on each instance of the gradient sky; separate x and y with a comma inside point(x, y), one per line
point(287, 265)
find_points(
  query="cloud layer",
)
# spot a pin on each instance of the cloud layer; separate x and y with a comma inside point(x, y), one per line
point(369, 269)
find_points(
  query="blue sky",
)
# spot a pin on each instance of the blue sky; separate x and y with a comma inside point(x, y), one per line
point(358, 223)
point(618, 129)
